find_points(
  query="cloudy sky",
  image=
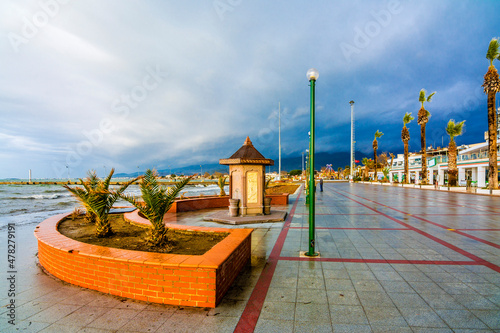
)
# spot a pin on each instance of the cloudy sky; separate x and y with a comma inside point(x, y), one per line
point(138, 84)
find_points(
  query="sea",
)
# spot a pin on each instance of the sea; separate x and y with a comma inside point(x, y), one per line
point(31, 204)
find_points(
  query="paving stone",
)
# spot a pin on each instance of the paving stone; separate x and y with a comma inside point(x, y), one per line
point(345, 328)
point(460, 319)
point(312, 296)
point(312, 312)
point(385, 316)
point(83, 316)
point(476, 302)
point(339, 284)
point(147, 321)
point(54, 313)
point(373, 298)
point(346, 314)
point(278, 310)
point(442, 301)
point(343, 298)
point(114, 319)
point(422, 317)
point(490, 317)
point(306, 327)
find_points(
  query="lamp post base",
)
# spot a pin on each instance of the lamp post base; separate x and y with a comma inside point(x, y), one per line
point(305, 254)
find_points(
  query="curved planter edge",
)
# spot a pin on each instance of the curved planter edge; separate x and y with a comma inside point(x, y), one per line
point(187, 280)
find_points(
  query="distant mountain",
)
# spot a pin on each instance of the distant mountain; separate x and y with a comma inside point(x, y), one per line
point(287, 164)
point(188, 170)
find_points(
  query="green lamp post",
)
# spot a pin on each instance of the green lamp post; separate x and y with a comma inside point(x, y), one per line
point(312, 76)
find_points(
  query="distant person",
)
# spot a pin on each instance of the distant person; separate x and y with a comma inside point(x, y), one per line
point(321, 185)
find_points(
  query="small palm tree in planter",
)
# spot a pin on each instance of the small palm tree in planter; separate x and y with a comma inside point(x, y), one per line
point(221, 182)
point(90, 185)
point(98, 199)
point(453, 129)
point(156, 201)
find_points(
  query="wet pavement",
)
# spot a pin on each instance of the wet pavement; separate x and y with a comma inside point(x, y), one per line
point(391, 259)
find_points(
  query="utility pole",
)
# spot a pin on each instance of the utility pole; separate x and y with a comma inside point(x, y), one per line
point(279, 140)
point(302, 162)
point(351, 166)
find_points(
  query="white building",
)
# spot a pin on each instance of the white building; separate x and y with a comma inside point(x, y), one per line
point(472, 163)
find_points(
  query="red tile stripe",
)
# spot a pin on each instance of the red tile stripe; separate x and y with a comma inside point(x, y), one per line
point(479, 229)
point(250, 315)
point(351, 228)
point(385, 261)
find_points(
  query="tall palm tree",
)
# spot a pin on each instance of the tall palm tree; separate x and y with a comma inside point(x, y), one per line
point(156, 201)
point(98, 199)
point(378, 134)
point(405, 136)
point(453, 129)
point(491, 86)
point(423, 118)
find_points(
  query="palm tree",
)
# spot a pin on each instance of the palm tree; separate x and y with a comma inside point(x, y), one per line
point(378, 134)
point(367, 163)
point(222, 182)
point(405, 136)
point(99, 199)
point(156, 201)
point(453, 129)
point(491, 86)
point(423, 118)
point(89, 184)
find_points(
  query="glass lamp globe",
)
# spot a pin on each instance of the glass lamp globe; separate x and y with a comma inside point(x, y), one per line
point(312, 74)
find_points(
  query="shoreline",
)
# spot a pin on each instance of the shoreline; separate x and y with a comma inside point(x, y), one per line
point(210, 182)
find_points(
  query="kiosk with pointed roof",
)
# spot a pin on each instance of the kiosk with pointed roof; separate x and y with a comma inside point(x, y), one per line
point(247, 178)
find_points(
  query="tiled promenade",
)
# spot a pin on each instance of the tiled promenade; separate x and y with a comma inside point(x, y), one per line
point(392, 260)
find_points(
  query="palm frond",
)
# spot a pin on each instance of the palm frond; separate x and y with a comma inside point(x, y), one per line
point(429, 98)
point(421, 96)
point(454, 129)
point(107, 181)
point(493, 50)
point(407, 118)
point(378, 134)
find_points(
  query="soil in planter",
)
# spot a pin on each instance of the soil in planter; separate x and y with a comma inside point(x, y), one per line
point(282, 188)
point(131, 237)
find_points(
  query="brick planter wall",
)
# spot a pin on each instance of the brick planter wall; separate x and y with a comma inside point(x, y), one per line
point(199, 281)
point(278, 199)
point(190, 204)
point(197, 203)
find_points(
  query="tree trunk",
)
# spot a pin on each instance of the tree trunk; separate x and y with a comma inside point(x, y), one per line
point(492, 142)
point(158, 235)
point(102, 227)
point(375, 159)
point(405, 181)
point(424, 154)
point(452, 164)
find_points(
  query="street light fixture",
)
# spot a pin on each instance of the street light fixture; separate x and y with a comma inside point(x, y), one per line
point(312, 76)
